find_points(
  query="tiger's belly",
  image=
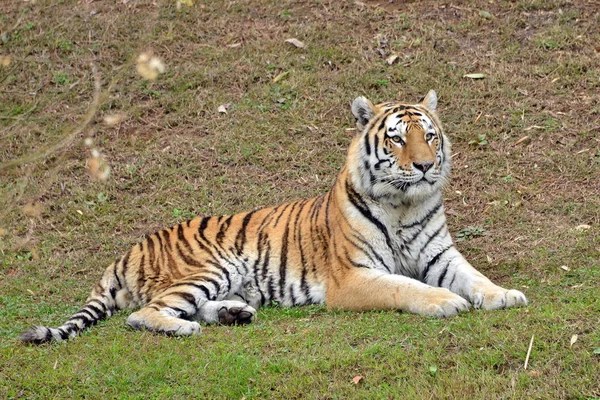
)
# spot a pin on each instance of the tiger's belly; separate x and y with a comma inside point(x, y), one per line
point(283, 288)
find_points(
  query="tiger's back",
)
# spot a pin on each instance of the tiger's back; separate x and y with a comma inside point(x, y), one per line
point(377, 240)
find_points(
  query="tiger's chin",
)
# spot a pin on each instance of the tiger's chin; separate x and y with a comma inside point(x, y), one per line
point(408, 192)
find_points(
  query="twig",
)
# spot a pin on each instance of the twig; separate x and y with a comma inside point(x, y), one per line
point(98, 99)
point(528, 352)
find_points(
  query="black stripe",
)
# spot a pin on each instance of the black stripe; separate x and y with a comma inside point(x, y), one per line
point(425, 219)
point(367, 144)
point(116, 275)
point(224, 227)
point(48, 335)
point(358, 202)
point(64, 335)
point(433, 261)
point(188, 297)
point(437, 232)
point(453, 278)
point(101, 313)
point(354, 263)
point(240, 239)
point(443, 274)
point(186, 259)
point(88, 314)
point(285, 207)
point(125, 265)
point(284, 254)
point(182, 238)
point(104, 308)
point(141, 280)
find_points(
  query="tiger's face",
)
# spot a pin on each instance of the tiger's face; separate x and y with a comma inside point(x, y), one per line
point(404, 152)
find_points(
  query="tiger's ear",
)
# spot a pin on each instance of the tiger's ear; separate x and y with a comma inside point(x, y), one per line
point(363, 111)
point(430, 100)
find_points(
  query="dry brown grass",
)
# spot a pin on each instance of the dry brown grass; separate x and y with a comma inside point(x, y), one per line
point(173, 155)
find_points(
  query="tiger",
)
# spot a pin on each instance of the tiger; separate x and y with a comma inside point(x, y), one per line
point(377, 240)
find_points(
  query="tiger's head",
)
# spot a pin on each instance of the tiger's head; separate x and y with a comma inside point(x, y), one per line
point(400, 152)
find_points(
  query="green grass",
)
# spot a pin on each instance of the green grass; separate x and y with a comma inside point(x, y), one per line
point(515, 207)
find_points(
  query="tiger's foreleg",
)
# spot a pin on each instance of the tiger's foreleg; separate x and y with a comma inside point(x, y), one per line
point(368, 289)
point(449, 269)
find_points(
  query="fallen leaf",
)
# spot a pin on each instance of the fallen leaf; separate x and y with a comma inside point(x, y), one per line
point(2, 231)
point(583, 227)
point(5, 61)
point(295, 42)
point(392, 59)
point(113, 119)
point(596, 351)
point(574, 339)
point(357, 379)
point(281, 76)
point(565, 268)
point(474, 76)
point(433, 370)
point(534, 373)
point(234, 45)
point(223, 108)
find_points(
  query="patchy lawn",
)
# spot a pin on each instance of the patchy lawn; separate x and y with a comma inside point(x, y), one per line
point(524, 201)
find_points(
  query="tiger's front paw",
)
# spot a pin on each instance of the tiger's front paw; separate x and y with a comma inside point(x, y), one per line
point(439, 302)
point(498, 298)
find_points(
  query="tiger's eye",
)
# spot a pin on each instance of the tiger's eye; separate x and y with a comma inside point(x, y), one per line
point(429, 136)
point(397, 139)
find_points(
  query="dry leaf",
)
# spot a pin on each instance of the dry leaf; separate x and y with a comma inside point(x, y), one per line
point(234, 45)
point(474, 76)
point(357, 379)
point(281, 76)
point(524, 139)
point(113, 119)
point(5, 61)
point(223, 108)
point(574, 339)
point(2, 231)
point(583, 227)
point(534, 373)
point(565, 268)
point(295, 42)
point(392, 59)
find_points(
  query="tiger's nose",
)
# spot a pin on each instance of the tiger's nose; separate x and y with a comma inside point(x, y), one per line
point(423, 166)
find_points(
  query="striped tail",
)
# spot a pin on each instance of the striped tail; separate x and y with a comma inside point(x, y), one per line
point(100, 304)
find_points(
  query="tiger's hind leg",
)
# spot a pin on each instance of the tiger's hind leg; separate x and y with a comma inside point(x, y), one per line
point(175, 311)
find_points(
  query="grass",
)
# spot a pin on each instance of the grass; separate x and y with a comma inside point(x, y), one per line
point(515, 207)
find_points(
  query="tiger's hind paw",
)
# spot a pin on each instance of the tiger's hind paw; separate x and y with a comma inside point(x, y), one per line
point(236, 315)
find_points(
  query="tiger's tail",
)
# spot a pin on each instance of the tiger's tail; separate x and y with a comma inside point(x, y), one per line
point(108, 296)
